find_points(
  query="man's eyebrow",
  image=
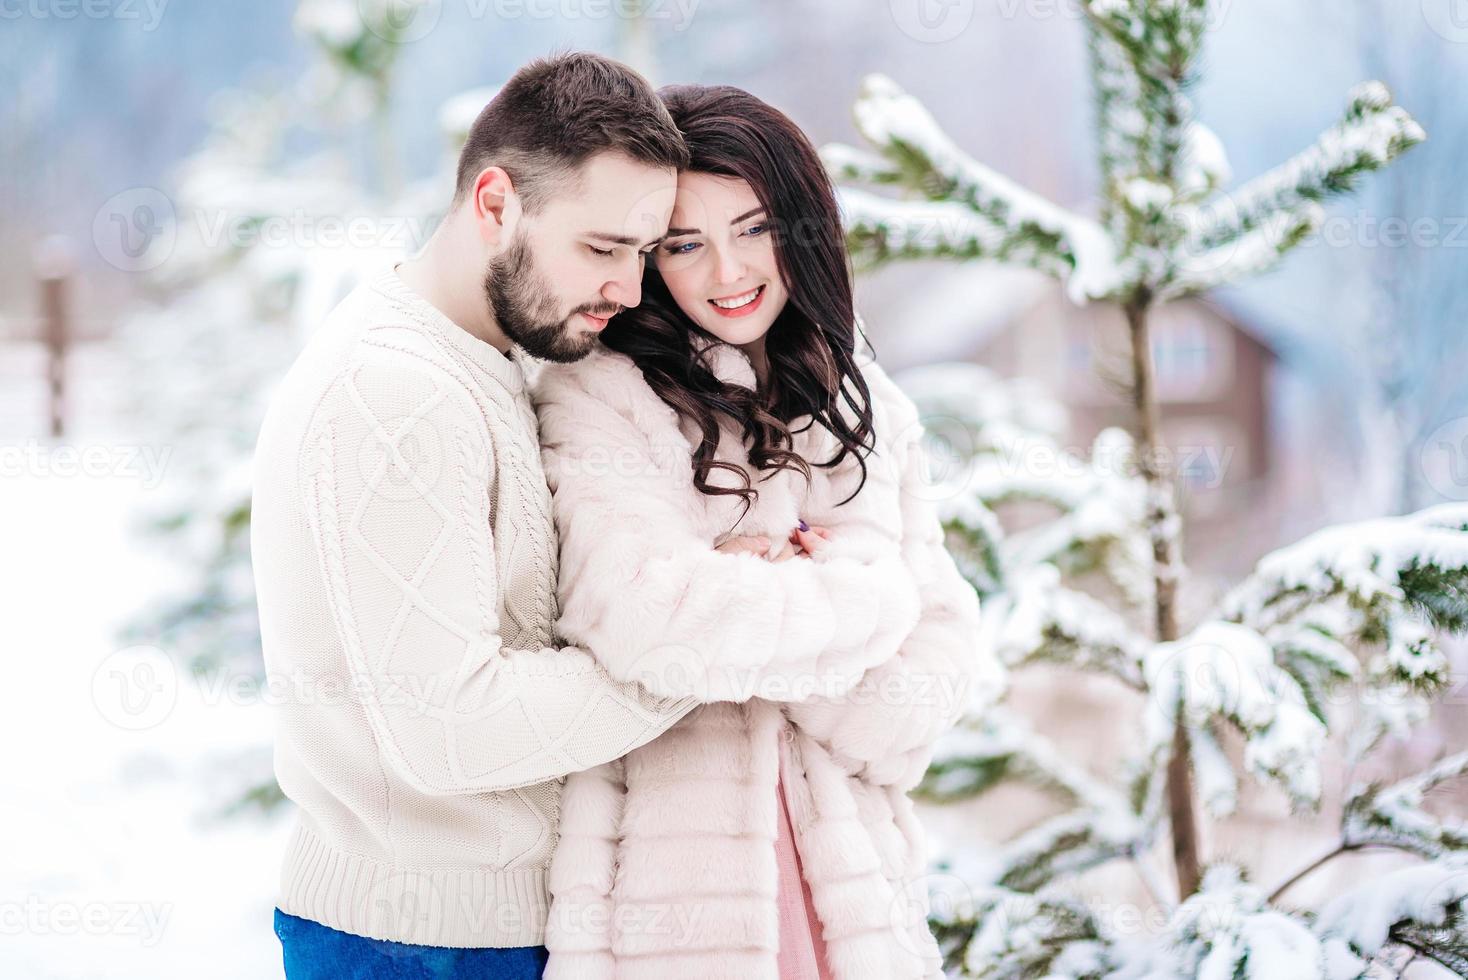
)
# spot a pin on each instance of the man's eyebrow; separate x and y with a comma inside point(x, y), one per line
point(672, 232)
point(603, 236)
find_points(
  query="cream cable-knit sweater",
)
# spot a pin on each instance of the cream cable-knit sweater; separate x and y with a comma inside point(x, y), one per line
point(405, 562)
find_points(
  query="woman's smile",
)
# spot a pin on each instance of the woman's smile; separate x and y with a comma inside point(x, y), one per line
point(742, 304)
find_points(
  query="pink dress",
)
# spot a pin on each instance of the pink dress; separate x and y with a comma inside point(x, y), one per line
point(802, 953)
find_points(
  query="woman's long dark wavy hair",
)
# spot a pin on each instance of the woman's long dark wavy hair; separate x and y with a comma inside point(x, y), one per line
point(811, 344)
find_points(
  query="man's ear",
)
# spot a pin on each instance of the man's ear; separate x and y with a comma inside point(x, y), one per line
point(495, 205)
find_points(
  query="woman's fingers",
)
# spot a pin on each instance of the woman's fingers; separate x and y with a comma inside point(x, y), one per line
point(810, 542)
point(800, 544)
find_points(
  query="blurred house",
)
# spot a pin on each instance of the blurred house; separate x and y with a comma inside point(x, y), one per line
point(1215, 364)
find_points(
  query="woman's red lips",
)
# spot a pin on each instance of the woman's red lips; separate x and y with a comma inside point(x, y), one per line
point(744, 310)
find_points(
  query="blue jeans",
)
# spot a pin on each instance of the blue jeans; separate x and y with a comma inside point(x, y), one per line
point(317, 952)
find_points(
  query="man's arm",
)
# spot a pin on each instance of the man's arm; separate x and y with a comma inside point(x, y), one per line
point(398, 469)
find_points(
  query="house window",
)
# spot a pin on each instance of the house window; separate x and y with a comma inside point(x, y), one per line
point(1192, 357)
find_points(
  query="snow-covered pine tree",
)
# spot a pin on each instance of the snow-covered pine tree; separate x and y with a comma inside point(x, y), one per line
point(267, 240)
point(1334, 634)
point(1330, 635)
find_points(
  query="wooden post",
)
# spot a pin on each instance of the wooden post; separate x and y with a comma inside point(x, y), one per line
point(53, 269)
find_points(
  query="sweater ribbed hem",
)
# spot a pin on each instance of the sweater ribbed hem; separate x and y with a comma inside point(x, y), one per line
point(460, 907)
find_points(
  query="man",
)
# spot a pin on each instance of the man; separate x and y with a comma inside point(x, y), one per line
point(405, 557)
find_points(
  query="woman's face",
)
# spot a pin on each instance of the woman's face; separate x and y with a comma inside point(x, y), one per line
point(719, 259)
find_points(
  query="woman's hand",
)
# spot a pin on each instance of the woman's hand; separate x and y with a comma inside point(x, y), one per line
point(803, 543)
point(809, 540)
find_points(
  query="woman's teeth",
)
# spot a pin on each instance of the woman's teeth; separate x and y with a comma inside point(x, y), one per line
point(735, 302)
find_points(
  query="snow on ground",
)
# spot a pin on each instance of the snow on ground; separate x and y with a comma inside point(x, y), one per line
point(112, 862)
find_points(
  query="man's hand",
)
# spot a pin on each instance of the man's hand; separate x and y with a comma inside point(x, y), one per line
point(746, 545)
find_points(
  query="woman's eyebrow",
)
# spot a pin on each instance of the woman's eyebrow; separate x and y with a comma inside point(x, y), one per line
point(673, 232)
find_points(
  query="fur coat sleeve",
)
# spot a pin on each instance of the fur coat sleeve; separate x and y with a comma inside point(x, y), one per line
point(883, 729)
point(642, 586)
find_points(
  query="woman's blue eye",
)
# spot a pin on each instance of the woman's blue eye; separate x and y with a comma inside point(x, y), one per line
point(682, 248)
point(755, 230)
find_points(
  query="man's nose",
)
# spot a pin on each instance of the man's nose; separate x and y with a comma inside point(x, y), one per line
point(625, 291)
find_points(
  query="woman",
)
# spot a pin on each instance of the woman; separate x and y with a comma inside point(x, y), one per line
point(738, 496)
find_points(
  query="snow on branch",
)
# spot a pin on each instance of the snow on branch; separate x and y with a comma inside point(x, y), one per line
point(1255, 251)
point(1032, 229)
point(852, 163)
point(1159, 37)
point(1373, 133)
point(994, 443)
point(1067, 845)
point(1158, 43)
point(1013, 934)
point(1392, 816)
point(975, 537)
point(1420, 907)
point(1218, 784)
point(1004, 746)
point(1000, 746)
point(1038, 620)
point(1225, 670)
point(1102, 524)
point(1100, 510)
point(880, 229)
point(1401, 574)
point(1311, 648)
point(1228, 929)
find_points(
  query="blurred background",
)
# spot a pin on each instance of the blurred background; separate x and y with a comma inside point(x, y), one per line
point(186, 188)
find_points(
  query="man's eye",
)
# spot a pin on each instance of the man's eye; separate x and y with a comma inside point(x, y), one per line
point(599, 251)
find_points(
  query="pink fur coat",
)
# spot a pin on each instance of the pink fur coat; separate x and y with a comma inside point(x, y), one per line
point(837, 672)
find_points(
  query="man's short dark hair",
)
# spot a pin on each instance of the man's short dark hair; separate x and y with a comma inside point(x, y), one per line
point(556, 113)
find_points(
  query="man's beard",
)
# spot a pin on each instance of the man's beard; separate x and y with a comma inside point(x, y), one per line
point(525, 307)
